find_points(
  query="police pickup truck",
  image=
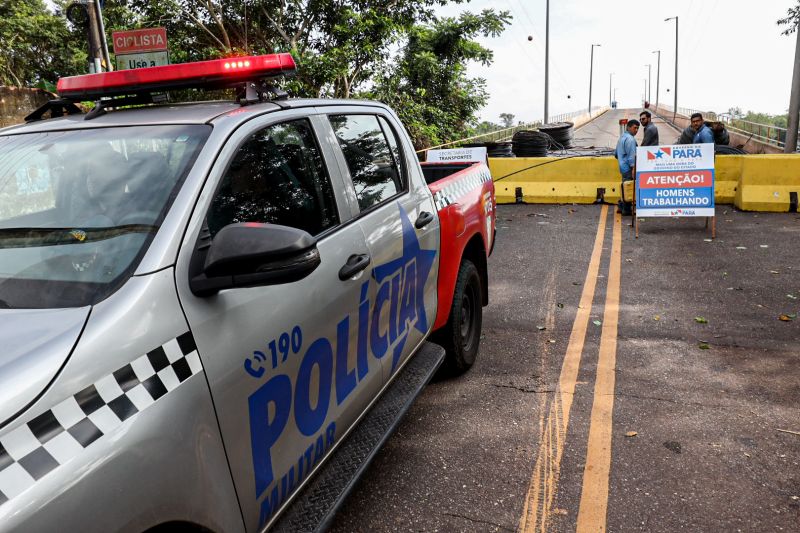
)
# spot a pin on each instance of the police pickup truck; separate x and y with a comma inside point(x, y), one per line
point(213, 314)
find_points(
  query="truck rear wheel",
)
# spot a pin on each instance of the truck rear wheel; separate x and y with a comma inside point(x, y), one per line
point(461, 335)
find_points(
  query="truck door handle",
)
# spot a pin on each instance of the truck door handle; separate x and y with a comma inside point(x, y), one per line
point(423, 220)
point(355, 264)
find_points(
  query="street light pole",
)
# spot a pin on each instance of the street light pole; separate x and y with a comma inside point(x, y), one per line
point(658, 73)
point(644, 91)
point(648, 82)
point(675, 110)
point(546, 60)
point(790, 144)
point(610, 101)
point(591, 67)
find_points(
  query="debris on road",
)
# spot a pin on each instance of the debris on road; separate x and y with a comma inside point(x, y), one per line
point(700, 320)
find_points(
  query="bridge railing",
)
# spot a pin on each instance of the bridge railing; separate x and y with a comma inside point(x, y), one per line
point(765, 133)
point(492, 136)
point(506, 134)
point(565, 117)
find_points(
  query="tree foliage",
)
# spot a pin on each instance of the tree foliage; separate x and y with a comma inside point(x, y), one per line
point(37, 45)
point(339, 45)
point(395, 51)
point(507, 119)
point(791, 20)
point(428, 86)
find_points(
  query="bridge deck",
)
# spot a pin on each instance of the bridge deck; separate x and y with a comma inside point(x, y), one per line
point(603, 131)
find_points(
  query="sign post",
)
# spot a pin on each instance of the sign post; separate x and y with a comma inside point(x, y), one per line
point(675, 181)
point(140, 48)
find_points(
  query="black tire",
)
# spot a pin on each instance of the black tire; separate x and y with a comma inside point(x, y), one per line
point(461, 336)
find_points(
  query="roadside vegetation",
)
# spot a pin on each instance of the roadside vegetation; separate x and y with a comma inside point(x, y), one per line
point(395, 51)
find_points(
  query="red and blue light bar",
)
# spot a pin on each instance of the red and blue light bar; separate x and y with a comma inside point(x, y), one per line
point(201, 74)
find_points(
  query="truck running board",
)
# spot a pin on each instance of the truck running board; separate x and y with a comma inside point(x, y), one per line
point(316, 505)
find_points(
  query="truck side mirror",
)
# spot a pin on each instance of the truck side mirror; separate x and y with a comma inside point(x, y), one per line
point(253, 254)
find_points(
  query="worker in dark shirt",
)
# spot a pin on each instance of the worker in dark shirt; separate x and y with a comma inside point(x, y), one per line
point(703, 133)
point(650, 135)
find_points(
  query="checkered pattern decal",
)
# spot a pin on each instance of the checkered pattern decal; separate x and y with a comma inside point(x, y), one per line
point(457, 188)
point(32, 450)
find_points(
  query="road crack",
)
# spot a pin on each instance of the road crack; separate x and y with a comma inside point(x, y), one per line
point(476, 521)
point(522, 389)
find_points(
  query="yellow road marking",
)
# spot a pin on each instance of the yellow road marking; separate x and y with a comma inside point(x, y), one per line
point(594, 494)
point(544, 482)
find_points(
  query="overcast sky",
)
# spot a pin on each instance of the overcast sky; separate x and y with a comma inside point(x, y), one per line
point(731, 53)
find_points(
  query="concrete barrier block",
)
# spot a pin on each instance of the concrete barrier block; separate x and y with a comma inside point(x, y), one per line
point(768, 182)
point(727, 171)
point(553, 180)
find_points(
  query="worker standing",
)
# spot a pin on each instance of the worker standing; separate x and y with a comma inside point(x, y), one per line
point(650, 134)
point(626, 157)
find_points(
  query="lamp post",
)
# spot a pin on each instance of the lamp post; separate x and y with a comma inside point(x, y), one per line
point(790, 144)
point(591, 67)
point(644, 91)
point(648, 82)
point(546, 60)
point(658, 73)
point(610, 101)
point(675, 110)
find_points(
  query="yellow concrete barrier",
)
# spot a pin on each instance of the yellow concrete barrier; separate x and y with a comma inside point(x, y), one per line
point(751, 182)
point(727, 171)
point(767, 182)
point(553, 180)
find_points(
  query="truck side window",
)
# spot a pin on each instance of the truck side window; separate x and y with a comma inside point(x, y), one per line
point(395, 146)
point(277, 176)
point(369, 158)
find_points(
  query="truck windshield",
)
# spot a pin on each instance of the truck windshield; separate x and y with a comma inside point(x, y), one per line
point(78, 208)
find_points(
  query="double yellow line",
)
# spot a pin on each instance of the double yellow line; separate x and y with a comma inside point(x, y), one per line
point(543, 487)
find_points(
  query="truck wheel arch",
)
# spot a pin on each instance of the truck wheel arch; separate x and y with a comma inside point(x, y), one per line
point(475, 251)
point(178, 527)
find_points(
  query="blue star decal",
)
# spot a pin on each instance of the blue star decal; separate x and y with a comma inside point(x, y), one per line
point(424, 263)
point(659, 154)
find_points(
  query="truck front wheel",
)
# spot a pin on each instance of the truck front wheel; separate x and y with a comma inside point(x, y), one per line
point(461, 335)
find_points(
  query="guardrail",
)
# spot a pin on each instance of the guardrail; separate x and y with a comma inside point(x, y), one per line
point(565, 117)
point(492, 136)
point(507, 133)
point(765, 133)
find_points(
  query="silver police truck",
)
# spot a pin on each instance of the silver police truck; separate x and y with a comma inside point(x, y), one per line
point(213, 314)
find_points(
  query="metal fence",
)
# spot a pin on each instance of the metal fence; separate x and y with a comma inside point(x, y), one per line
point(506, 134)
point(566, 117)
point(766, 133)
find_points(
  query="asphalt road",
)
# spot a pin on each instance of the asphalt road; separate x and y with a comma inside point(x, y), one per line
point(603, 131)
point(703, 375)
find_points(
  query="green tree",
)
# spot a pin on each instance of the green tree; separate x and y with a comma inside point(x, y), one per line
point(339, 46)
point(484, 127)
point(508, 119)
point(791, 20)
point(37, 45)
point(429, 87)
